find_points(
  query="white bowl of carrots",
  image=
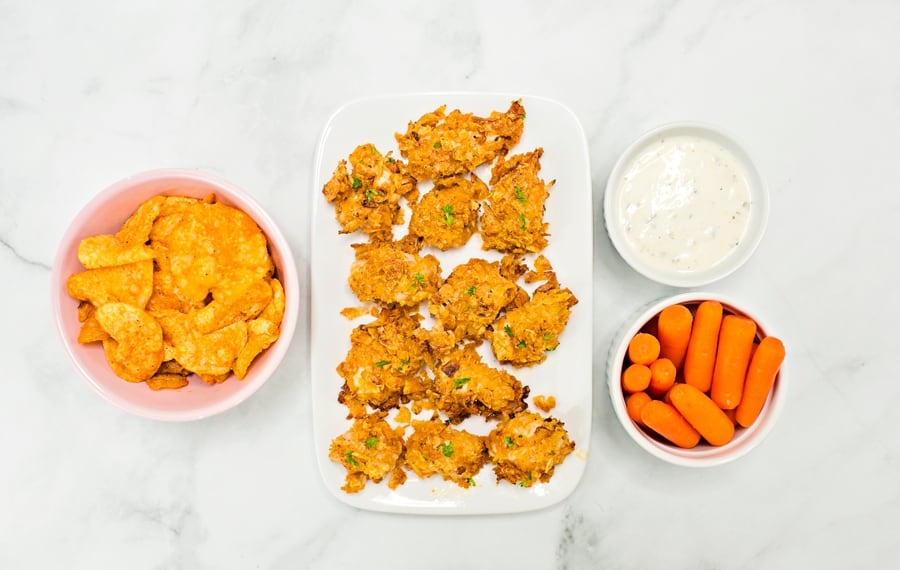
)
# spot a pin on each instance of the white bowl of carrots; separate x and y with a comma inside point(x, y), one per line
point(696, 379)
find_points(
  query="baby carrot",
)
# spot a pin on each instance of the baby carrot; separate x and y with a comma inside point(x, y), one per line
point(662, 376)
point(643, 348)
point(732, 357)
point(636, 378)
point(702, 413)
point(700, 358)
point(667, 422)
point(674, 330)
point(634, 404)
point(760, 377)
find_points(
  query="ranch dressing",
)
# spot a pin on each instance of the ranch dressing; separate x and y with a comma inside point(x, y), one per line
point(684, 203)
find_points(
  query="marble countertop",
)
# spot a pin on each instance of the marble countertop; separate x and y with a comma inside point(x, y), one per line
point(91, 92)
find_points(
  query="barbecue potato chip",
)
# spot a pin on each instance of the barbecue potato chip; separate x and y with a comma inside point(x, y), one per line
point(108, 251)
point(138, 346)
point(131, 283)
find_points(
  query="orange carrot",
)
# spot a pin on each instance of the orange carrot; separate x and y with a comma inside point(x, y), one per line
point(674, 329)
point(730, 414)
point(634, 404)
point(702, 413)
point(662, 376)
point(643, 348)
point(700, 358)
point(761, 374)
point(667, 422)
point(636, 378)
point(732, 357)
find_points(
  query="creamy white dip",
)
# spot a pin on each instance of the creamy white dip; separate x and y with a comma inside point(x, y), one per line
point(684, 203)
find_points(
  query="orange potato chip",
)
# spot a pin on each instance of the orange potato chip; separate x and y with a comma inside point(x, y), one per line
point(242, 306)
point(167, 381)
point(107, 251)
point(138, 336)
point(85, 310)
point(262, 333)
point(91, 331)
point(136, 229)
point(132, 284)
point(212, 354)
point(121, 369)
point(274, 311)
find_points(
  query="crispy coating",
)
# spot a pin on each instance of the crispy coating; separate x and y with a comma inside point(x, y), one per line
point(524, 335)
point(527, 448)
point(512, 219)
point(439, 145)
point(367, 198)
point(471, 298)
point(464, 385)
point(447, 216)
point(392, 273)
point(369, 450)
point(384, 364)
point(435, 448)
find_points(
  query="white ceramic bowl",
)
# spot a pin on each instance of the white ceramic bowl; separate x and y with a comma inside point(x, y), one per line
point(676, 199)
point(703, 455)
point(105, 214)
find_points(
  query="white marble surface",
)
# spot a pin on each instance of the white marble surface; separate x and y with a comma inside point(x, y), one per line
point(93, 91)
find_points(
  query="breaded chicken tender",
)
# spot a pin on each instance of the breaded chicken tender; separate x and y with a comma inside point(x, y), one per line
point(384, 365)
point(370, 449)
point(524, 335)
point(435, 448)
point(512, 218)
point(439, 145)
point(447, 216)
point(527, 448)
point(464, 385)
point(392, 273)
point(471, 298)
point(368, 197)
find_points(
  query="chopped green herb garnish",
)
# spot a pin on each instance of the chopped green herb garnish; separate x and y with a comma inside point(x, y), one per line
point(520, 195)
point(507, 330)
point(390, 160)
point(460, 381)
point(508, 441)
point(372, 192)
point(550, 349)
point(437, 144)
point(373, 149)
point(522, 225)
point(350, 459)
point(548, 336)
point(371, 442)
point(448, 214)
point(471, 481)
point(403, 364)
point(418, 279)
point(447, 449)
point(470, 290)
point(382, 363)
point(356, 183)
point(521, 344)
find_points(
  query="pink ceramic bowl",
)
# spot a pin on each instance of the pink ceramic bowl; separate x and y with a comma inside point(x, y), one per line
point(703, 455)
point(104, 214)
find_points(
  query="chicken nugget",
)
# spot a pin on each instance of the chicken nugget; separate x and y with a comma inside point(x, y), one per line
point(524, 335)
point(367, 198)
point(435, 448)
point(512, 218)
point(392, 273)
point(447, 216)
point(471, 298)
point(464, 385)
point(384, 364)
point(369, 450)
point(439, 145)
point(527, 448)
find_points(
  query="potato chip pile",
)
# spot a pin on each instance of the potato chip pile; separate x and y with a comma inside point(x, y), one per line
point(394, 362)
point(186, 286)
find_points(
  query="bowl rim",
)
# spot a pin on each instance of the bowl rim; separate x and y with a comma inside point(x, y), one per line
point(287, 270)
point(755, 231)
point(707, 456)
